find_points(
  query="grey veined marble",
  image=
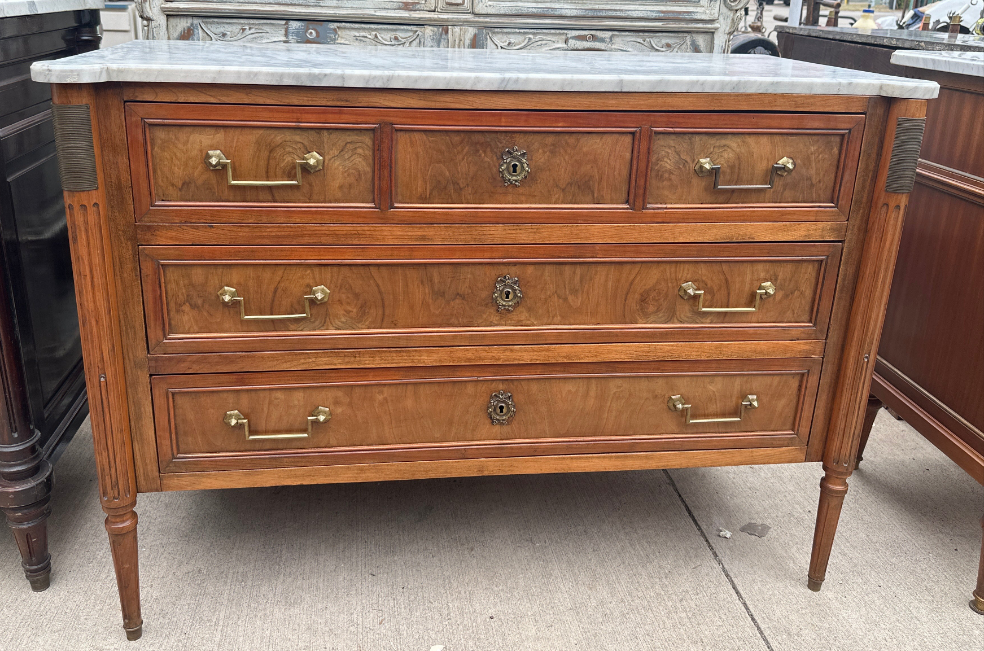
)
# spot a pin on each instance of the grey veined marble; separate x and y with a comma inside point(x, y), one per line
point(307, 65)
point(960, 63)
point(10, 8)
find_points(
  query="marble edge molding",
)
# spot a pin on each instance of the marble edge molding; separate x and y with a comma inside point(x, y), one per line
point(13, 8)
point(960, 63)
point(180, 62)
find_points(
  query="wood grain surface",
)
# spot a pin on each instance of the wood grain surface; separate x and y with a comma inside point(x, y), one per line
point(448, 167)
point(745, 159)
point(428, 289)
point(259, 153)
point(431, 415)
point(824, 148)
point(483, 100)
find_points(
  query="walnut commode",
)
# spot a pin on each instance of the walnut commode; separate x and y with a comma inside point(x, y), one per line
point(272, 280)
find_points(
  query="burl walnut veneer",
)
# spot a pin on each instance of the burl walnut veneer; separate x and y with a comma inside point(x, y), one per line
point(274, 281)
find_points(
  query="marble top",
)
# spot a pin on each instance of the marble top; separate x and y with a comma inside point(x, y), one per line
point(424, 68)
point(11, 8)
point(896, 38)
point(960, 63)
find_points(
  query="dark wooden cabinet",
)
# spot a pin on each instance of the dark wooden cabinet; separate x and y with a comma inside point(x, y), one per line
point(40, 350)
point(930, 367)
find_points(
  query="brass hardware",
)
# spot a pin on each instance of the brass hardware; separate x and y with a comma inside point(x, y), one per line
point(230, 297)
point(501, 408)
point(706, 167)
point(514, 166)
point(235, 418)
point(507, 294)
point(689, 290)
point(677, 403)
point(312, 162)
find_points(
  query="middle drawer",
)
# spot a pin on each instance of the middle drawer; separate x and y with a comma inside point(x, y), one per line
point(229, 299)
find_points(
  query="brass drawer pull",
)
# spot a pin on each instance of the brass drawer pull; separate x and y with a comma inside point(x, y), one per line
point(507, 294)
point(689, 290)
point(235, 418)
point(677, 403)
point(230, 297)
point(501, 408)
point(514, 166)
point(705, 167)
point(216, 160)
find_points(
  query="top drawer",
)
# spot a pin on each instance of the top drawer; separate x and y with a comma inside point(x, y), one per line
point(194, 161)
point(755, 162)
point(228, 164)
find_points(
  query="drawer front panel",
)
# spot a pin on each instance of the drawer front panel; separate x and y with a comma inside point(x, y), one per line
point(258, 155)
point(275, 419)
point(795, 161)
point(444, 166)
point(271, 164)
point(209, 160)
point(209, 299)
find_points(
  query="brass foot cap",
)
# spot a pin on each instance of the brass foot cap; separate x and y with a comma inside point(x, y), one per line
point(40, 583)
point(977, 605)
point(814, 585)
point(133, 634)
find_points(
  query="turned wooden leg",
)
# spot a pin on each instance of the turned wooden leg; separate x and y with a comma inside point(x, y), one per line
point(25, 496)
point(977, 603)
point(122, 528)
point(874, 404)
point(833, 488)
point(30, 528)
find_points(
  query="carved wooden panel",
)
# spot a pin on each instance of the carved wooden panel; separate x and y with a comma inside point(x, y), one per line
point(595, 40)
point(428, 414)
point(240, 30)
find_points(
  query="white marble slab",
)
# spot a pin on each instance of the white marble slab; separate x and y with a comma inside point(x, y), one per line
point(960, 63)
point(11, 8)
point(423, 68)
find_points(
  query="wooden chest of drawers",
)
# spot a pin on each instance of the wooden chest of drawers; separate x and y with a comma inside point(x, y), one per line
point(305, 284)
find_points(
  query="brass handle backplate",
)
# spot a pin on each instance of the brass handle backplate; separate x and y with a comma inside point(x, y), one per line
point(514, 166)
point(678, 403)
point(216, 160)
point(507, 294)
point(501, 408)
point(705, 167)
point(230, 297)
point(235, 418)
point(689, 290)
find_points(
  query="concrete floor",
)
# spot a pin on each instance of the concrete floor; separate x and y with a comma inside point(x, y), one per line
point(608, 561)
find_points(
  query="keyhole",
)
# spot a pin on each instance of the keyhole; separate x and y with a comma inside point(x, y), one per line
point(515, 168)
point(502, 409)
point(507, 294)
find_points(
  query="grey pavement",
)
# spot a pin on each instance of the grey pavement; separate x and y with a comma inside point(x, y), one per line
point(607, 561)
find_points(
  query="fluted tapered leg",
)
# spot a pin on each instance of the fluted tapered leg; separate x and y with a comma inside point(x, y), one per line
point(122, 530)
point(833, 488)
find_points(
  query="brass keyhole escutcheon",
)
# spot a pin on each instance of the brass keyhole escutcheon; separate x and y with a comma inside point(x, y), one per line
point(514, 166)
point(507, 294)
point(501, 408)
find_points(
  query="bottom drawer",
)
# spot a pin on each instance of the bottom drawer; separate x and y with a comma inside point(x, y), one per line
point(269, 420)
